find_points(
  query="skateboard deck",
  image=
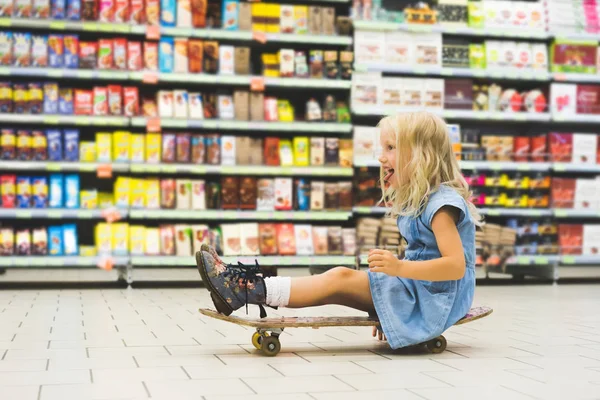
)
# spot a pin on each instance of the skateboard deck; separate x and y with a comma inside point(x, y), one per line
point(266, 337)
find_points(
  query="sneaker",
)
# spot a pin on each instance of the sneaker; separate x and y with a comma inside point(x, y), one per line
point(231, 286)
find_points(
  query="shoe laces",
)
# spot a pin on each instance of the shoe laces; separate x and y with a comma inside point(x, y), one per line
point(247, 274)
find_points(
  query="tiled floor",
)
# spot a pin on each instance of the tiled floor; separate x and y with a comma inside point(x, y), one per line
point(541, 342)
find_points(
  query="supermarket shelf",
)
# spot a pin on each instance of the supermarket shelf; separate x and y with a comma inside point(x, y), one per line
point(53, 213)
point(64, 119)
point(580, 260)
point(64, 25)
point(57, 261)
point(58, 166)
point(296, 126)
point(573, 167)
point(311, 39)
point(505, 166)
point(580, 118)
point(369, 210)
point(308, 83)
point(188, 261)
point(466, 31)
point(533, 260)
point(241, 170)
point(457, 114)
point(67, 73)
point(575, 213)
point(516, 212)
point(574, 77)
point(234, 215)
point(504, 73)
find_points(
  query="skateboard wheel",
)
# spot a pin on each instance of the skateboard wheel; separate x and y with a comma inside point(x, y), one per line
point(270, 346)
point(437, 345)
point(256, 340)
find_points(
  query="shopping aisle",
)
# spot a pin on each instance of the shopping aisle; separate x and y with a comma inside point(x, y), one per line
point(541, 342)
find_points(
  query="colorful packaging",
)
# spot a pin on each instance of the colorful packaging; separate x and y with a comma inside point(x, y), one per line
point(121, 146)
point(195, 107)
point(54, 139)
point(50, 98)
point(89, 10)
point(168, 12)
point(137, 236)
point(6, 48)
point(137, 148)
point(137, 195)
point(8, 143)
point(21, 49)
point(183, 147)
point(65, 102)
point(107, 11)
point(167, 193)
point(23, 192)
point(40, 192)
point(167, 240)
point(71, 191)
point(195, 55)
point(105, 54)
point(6, 97)
point(180, 103)
point(134, 56)
point(8, 189)
point(88, 55)
point(181, 61)
point(152, 241)
point(184, 194)
point(70, 241)
point(55, 241)
point(6, 10)
point(122, 192)
point(301, 151)
point(87, 152)
point(55, 197)
point(20, 98)
point(103, 238)
point(120, 238)
point(137, 13)
point(58, 9)
point(103, 147)
point(23, 145)
point(153, 146)
point(115, 100)
point(300, 19)
point(184, 14)
point(39, 242)
point(39, 51)
point(166, 55)
point(74, 10)
point(168, 147)
point(83, 100)
point(35, 98)
point(39, 145)
point(131, 101)
point(198, 195)
point(88, 199)
point(151, 56)
point(71, 140)
point(56, 51)
point(230, 15)
point(152, 188)
point(120, 53)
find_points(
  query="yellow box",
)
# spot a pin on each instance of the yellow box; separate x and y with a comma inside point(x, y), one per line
point(87, 151)
point(87, 251)
point(106, 200)
point(153, 146)
point(301, 155)
point(152, 193)
point(137, 240)
point(121, 146)
point(137, 193)
point(270, 65)
point(103, 236)
point(120, 238)
point(259, 13)
point(301, 19)
point(88, 199)
point(103, 147)
point(152, 241)
point(137, 150)
point(272, 24)
point(122, 191)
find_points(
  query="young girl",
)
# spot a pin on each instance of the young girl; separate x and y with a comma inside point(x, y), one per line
point(416, 298)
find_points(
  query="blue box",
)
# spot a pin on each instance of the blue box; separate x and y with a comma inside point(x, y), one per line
point(50, 98)
point(168, 12)
point(54, 139)
point(74, 10)
point(302, 194)
point(40, 191)
point(55, 195)
point(65, 102)
point(55, 241)
point(71, 51)
point(230, 15)
point(23, 192)
point(166, 56)
point(56, 51)
point(57, 9)
point(70, 240)
point(71, 191)
point(71, 144)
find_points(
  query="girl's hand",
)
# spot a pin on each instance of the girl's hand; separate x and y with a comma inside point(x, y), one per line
point(378, 333)
point(383, 261)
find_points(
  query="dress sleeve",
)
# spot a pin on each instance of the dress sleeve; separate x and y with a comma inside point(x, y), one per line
point(442, 199)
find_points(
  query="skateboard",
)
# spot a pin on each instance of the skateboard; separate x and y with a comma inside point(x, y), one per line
point(266, 337)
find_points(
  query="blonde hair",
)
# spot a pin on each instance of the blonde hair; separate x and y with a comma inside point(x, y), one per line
point(432, 163)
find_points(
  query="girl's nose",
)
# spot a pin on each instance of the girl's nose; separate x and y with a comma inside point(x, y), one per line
point(382, 159)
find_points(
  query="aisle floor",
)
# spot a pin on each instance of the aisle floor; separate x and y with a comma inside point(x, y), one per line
point(541, 342)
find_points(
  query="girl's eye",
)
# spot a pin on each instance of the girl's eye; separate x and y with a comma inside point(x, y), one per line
point(390, 148)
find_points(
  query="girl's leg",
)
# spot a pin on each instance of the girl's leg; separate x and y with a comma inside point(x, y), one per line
point(339, 285)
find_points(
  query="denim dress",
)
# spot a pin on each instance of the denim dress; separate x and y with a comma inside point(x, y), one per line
point(413, 311)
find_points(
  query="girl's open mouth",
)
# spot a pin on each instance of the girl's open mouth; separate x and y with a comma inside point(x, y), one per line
point(388, 175)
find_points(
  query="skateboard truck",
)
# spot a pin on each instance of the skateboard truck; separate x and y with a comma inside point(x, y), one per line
point(267, 341)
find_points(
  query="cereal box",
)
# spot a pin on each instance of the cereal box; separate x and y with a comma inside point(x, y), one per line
point(134, 56)
point(105, 54)
point(39, 242)
point(23, 192)
point(132, 102)
point(120, 53)
point(89, 10)
point(87, 151)
point(121, 11)
point(137, 195)
point(54, 139)
point(8, 144)
point(137, 148)
point(88, 55)
point(115, 100)
point(6, 48)
point(71, 51)
point(104, 147)
point(6, 97)
point(57, 9)
point(20, 98)
point(40, 191)
point(168, 11)
point(136, 12)
point(168, 147)
point(103, 238)
point(120, 238)
point(100, 106)
point(122, 191)
point(23, 145)
point(230, 15)
point(39, 145)
point(153, 146)
point(184, 13)
point(55, 241)
point(8, 189)
point(83, 100)
point(88, 199)
point(195, 55)
point(39, 51)
point(23, 242)
point(226, 63)
point(151, 56)
point(180, 103)
point(107, 10)
point(181, 61)
point(41, 9)
point(152, 190)
point(23, 9)
point(166, 56)
point(137, 235)
point(65, 101)
point(195, 109)
point(121, 146)
point(56, 51)
point(6, 10)
point(22, 49)
point(74, 10)
point(71, 150)
point(56, 198)
point(35, 98)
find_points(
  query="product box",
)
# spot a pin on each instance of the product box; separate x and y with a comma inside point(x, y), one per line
point(152, 241)
point(586, 194)
point(122, 192)
point(195, 107)
point(151, 56)
point(73, 9)
point(283, 194)
point(183, 240)
point(183, 147)
point(370, 47)
point(168, 12)
point(332, 151)
point(180, 103)
point(70, 240)
point(200, 236)
point(228, 150)
point(39, 242)
point(24, 145)
point(225, 106)
point(301, 151)
point(152, 193)
point(21, 49)
point(588, 99)
point(88, 199)
point(121, 146)
point(165, 103)
point(198, 149)
point(137, 197)
point(211, 57)
point(184, 14)
point(184, 194)
point(120, 238)
point(167, 240)
point(317, 195)
point(8, 143)
point(23, 192)
point(153, 148)
point(181, 59)
point(232, 245)
point(367, 89)
point(398, 48)
point(304, 240)
point(266, 194)
point(428, 49)
point(6, 48)
point(267, 239)
point(320, 245)
point(198, 195)
point(230, 15)
point(137, 235)
point(106, 10)
point(563, 98)
point(286, 239)
point(213, 149)
point(71, 191)
point(55, 241)
point(55, 196)
point(584, 148)
point(39, 51)
point(166, 55)
point(134, 56)
point(71, 141)
point(591, 239)
point(249, 239)
point(300, 19)
point(569, 56)
point(104, 147)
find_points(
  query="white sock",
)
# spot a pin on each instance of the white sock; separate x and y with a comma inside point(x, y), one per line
point(278, 290)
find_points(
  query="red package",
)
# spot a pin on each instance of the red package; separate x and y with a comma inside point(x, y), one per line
point(598, 153)
point(538, 148)
point(8, 189)
point(563, 192)
point(167, 193)
point(286, 239)
point(521, 148)
point(100, 101)
point(152, 11)
point(121, 11)
point(83, 102)
point(134, 56)
point(131, 98)
point(88, 58)
point(107, 11)
point(120, 53)
point(167, 240)
point(570, 239)
point(588, 99)
point(561, 147)
point(105, 53)
point(115, 100)
point(136, 12)
point(151, 56)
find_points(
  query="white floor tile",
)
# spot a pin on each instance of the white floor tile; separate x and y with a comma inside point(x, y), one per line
point(44, 378)
point(304, 384)
point(368, 395)
point(22, 365)
point(491, 392)
point(96, 391)
point(148, 374)
point(391, 380)
point(321, 368)
point(19, 392)
point(194, 389)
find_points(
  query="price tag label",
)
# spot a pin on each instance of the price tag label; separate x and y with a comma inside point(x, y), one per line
point(106, 263)
point(257, 84)
point(104, 171)
point(568, 260)
point(560, 77)
point(150, 77)
point(153, 32)
point(260, 37)
point(153, 124)
point(111, 215)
